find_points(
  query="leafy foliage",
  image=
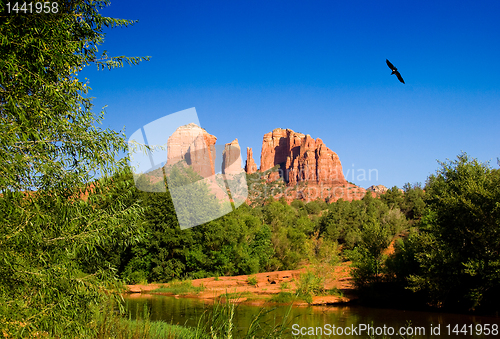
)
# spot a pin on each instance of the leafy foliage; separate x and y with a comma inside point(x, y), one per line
point(410, 200)
point(252, 280)
point(51, 153)
point(246, 241)
point(48, 136)
point(461, 266)
point(309, 285)
point(368, 222)
point(261, 189)
point(180, 287)
point(453, 257)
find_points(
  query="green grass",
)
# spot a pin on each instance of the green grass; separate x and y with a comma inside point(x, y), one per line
point(335, 291)
point(131, 329)
point(219, 323)
point(284, 286)
point(310, 285)
point(283, 298)
point(288, 297)
point(236, 295)
point(180, 287)
point(111, 325)
point(252, 280)
point(216, 322)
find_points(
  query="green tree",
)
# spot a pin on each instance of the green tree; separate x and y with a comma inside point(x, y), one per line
point(364, 228)
point(413, 205)
point(393, 197)
point(51, 152)
point(380, 225)
point(161, 255)
point(411, 201)
point(314, 207)
point(291, 229)
point(342, 223)
point(261, 189)
point(456, 255)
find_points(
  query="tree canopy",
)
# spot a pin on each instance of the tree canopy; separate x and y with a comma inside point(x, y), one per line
point(459, 264)
point(48, 136)
point(53, 153)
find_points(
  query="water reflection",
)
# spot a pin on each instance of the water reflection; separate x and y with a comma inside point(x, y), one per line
point(188, 312)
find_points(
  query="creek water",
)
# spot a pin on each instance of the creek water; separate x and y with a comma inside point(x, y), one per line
point(325, 321)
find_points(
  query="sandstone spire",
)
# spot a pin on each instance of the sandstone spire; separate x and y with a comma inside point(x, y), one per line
point(250, 166)
point(231, 162)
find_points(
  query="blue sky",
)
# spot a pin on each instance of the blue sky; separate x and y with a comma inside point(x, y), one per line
point(318, 68)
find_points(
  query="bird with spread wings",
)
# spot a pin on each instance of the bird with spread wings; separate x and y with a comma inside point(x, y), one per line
point(394, 71)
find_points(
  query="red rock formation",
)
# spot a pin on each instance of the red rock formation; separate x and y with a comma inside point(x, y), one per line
point(231, 162)
point(194, 145)
point(309, 168)
point(378, 189)
point(276, 147)
point(301, 158)
point(250, 165)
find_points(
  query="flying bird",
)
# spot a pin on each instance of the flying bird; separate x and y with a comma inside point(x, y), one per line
point(394, 71)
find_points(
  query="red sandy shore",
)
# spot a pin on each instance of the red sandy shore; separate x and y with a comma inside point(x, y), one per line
point(268, 284)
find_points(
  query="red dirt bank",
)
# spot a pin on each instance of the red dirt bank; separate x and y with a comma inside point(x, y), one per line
point(268, 284)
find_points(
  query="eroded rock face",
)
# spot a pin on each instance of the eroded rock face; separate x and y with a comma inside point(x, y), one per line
point(378, 189)
point(250, 166)
point(301, 158)
point(309, 168)
point(194, 145)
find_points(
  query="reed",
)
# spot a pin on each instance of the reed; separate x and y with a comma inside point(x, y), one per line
point(217, 322)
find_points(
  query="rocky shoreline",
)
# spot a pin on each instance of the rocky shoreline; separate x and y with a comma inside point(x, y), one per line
point(258, 289)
